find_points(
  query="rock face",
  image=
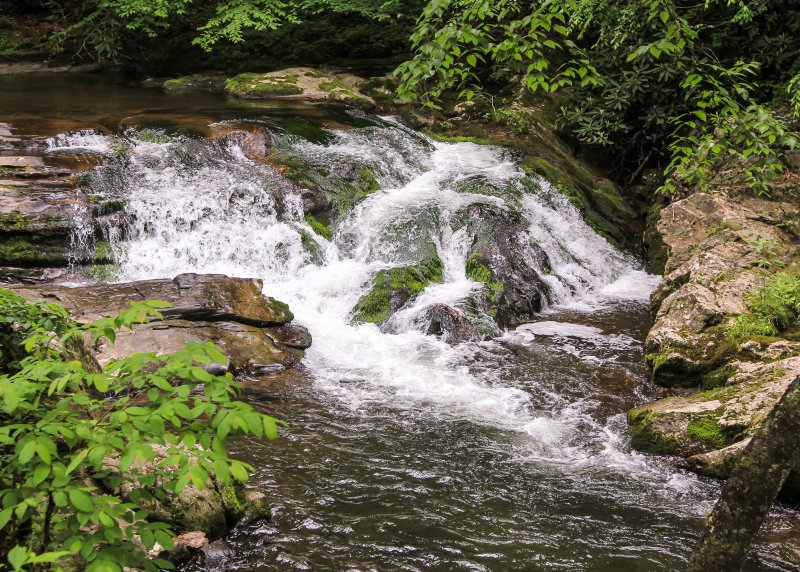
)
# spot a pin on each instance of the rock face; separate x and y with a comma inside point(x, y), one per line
point(251, 329)
point(721, 249)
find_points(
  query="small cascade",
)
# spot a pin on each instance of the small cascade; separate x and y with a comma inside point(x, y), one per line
point(537, 398)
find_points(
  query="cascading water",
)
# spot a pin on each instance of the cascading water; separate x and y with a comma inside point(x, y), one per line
point(407, 452)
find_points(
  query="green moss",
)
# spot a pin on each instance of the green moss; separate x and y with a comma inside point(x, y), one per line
point(179, 84)
point(477, 271)
point(102, 272)
point(706, 366)
point(319, 228)
point(644, 437)
point(17, 249)
point(109, 207)
point(153, 136)
point(280, 310)
point(257, 85)
point(311, 247)
point(707, 430)
point(457, 138)
point(316, 73)
point(330, 86)
point(103, 253)
point(405, 281)
point(368, 183)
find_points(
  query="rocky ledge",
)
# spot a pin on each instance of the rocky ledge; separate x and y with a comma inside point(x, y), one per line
point(723, 251)
point(254, 331)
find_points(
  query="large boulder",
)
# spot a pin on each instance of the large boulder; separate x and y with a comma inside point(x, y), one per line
point(251, 329)
point(721, 249)
point(299, 82)
point(506, 262)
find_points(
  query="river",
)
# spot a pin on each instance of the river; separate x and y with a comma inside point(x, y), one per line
point(403, 452)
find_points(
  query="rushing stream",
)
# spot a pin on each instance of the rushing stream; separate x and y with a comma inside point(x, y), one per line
point(405, 452)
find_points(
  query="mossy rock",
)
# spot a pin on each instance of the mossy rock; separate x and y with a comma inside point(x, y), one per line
point(394, 287)
point(319, 228)
point(31, 250)
point(646, 438)
point(252, 85)
point(707, 430)
point(706, 366)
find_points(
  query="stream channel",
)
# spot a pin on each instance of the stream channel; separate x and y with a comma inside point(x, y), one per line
point(404, 452)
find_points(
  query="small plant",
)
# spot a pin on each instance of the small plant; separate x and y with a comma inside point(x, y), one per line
point(766, 253)
point(774, 309)
point(62, 417)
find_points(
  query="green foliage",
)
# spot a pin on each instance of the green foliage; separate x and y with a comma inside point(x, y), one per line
point(774, 309)
point(63, 418)
point(230, 31)
point(8, 49)
point(670, 81)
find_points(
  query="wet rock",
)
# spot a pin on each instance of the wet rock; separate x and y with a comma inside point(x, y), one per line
point(394, 288)
point(230, 312)
point(452, 325)
point(507, 263)
point(290, 335)
point(216, 554)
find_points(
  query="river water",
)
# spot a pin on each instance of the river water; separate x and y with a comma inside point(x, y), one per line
point(403, 452)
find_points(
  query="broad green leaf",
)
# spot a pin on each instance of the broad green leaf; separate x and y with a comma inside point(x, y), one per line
point(81, 500)
point(16, 556)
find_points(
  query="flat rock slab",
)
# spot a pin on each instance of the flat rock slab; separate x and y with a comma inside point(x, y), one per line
point(251, 329)
point(26, 162)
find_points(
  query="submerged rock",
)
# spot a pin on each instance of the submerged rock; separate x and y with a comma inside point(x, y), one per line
point(251, 329)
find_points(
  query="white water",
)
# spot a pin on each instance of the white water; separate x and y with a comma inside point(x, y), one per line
point(207, 208)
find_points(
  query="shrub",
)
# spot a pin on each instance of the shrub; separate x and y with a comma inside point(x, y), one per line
point(62, 417)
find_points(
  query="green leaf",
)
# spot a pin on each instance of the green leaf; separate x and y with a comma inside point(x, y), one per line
point(472, 60)
point(40, 473)
point(81, 500)
point(222, 471)
point(16, 556)
point(27, 451)
point(215, 354)
point(5, 516)
point(664, 15)
point(239, 471)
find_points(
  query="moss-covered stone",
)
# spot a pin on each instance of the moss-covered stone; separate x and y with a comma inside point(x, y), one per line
point(252, 85)
point(394, 287)
point(685, 365)
point(108, 206)
point(707, 430)
point(24, 250)
point(319, 228)
point(644, 436)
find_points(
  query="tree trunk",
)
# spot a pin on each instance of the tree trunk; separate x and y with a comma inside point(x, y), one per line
point(751, 489)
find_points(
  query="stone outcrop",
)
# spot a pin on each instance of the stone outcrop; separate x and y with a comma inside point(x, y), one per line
point(300, 82)
point(721, 249)
point(252, 330)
